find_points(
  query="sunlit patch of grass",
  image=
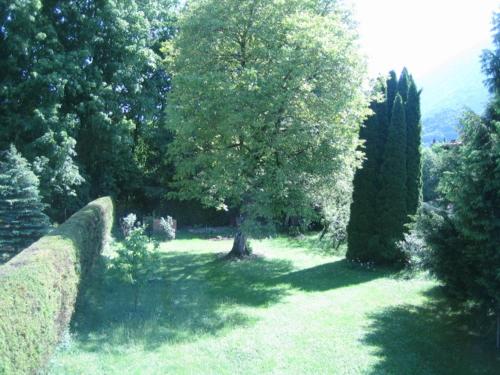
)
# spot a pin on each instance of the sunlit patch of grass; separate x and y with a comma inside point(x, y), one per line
point(291, 309)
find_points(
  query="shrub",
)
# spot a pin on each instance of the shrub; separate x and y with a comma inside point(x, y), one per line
point(22, 220)
point(167, 228)
point(415, 251)
point(136, 258)
point(127, 224)
point(38, 287)
point(465, 238)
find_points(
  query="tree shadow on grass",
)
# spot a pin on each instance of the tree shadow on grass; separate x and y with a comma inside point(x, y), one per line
point(329, 276)
point(192, 295)
point(429, 339)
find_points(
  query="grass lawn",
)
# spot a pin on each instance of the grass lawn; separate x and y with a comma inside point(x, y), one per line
point(291, 310)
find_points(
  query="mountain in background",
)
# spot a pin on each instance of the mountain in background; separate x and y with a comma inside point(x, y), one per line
point(449, 90)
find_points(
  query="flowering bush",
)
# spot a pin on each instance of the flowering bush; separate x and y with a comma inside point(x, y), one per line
point(167, 228)
point(127, 224)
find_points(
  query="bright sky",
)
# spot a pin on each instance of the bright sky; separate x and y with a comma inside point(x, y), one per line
point(421, 34)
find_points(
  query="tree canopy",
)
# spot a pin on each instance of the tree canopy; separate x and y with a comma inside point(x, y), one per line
point(82, 92)
point(266, 104)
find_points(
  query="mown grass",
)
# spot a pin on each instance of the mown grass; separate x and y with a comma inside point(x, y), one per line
point(292, 309)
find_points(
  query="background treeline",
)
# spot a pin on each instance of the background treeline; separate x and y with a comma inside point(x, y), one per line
point(82, 97)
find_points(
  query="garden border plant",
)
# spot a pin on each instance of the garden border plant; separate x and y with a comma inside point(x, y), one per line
point(38, 287)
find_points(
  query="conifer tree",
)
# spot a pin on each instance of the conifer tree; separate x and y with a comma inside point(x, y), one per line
point(392, 90)
point(392, 194)
point(388, 187)
point(21, 218)
point(362, 227)
point(464, 238)
point(382, 110)
point(414, 153)
point(404, 84)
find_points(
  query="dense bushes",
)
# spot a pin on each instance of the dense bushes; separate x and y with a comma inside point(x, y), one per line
point(462, 230)
point(464, 236)
point(38, 287)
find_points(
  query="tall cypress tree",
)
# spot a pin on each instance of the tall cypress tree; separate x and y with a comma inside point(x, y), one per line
point(404, 85)
point(382, 111)
point(388, 187)
point(392, 194)
point(21, 218)
point(362, 227)
point(413, 153)
point(392, 90)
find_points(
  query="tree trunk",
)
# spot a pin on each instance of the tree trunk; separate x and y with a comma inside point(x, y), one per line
point(240, 249)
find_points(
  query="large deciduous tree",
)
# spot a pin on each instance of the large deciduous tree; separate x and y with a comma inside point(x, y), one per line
point(266, 104)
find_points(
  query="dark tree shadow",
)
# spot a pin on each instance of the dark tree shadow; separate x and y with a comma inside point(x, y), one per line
point(328, 276)
point(186, 299)
point(192, 295)
point(429, 339)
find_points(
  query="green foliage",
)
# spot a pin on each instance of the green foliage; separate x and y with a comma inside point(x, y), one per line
point(437, 160)
point(387, 189)
point(413, 151)
point(415, 252)
point(392, 91)
point(431, 160)
point(38, 287)
point(22, 220)
point(473, 189)
point(335, 208)
point(446, 244)
point(391, 200)
point(137, 257)
point(362, 227)
point(404, 83)
point(127, 224)
point(464, 236)
point(83, 92)
point(491, 59)
point(265, 113)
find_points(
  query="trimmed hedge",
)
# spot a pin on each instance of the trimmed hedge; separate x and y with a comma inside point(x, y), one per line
point(38, 287)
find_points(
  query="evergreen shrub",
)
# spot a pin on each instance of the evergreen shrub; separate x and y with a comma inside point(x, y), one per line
point(38, 287)
point(22, 220)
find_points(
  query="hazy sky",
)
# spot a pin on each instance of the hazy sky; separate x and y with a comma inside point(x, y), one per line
point(421, 34)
